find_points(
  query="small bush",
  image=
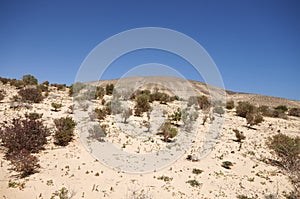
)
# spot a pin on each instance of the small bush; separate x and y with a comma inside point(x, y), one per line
point(197, 171)
point(56, 106)
point(294, 112)
point(24, 163)
point(239, 135)
point(142, 104)
point(65, 130)
point(33, 116)
point(2, 95)
point(126, 113)
point(17, 83)
point(219, 110)
point(31, 95)
point(109, 89)
point(254, 118)
point(76, 88)
point(96, 133)
point(43, 88)
point(29, 80)
point(168, 131)
point(281, 108)
point(4, 80)
point(100, 92)
point(203, 102)
point(244, 108)
point(230, 104)
point(60, 87)
point(227, 164)
point(24, 134)
point(176, 116)
point(101, 113)
point(193, 183)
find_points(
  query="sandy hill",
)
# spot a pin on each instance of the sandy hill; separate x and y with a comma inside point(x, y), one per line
point(208, 163)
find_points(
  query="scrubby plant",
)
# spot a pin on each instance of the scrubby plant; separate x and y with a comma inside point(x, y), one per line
point(176, 116)
point(101, 113)
point(17, 83)
point(29, 80)
point(281, 108)
point(56, 106)
point(197, 171)
point(227, 164)
point(294, 112)
point(33, 116)
point(244, 108)
point(24, 163)
point(230, 104)
point(239, 135)
point(4, 80)
point(60, 87)
point(63, 193)
point(109, 89)
point(142, 104)
point(24, 134)
point(2, 95)
point(287, 150)
point(100, 92)
point(126, 113)
point(76, 88)
point(168, 131)
point(65, 130)
point(254, 118)
point(31, 95)
point(193, 183)
point(219, 110)
point(96, 133)
point(203, 102)
point(113, 107)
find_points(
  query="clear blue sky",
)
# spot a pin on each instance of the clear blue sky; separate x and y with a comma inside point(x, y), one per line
point(255, 44)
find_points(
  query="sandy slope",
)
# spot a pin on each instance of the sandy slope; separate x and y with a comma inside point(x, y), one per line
point(85, 177)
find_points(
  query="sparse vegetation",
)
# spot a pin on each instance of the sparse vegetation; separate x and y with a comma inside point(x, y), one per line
point(126, 113)
point(65, 130)
point(227, 164)
point(239, 135)
point(29, 80)
point(96, 133)
point(219, 110)
point(230, 105)
point(33, 116)
point(142, 104)
point(294, 112)
point(193, 183)
point(109, 89)
point(168, 131)
point(56, 106)
point(197, 171)
point(32, 95)
point(176, 116)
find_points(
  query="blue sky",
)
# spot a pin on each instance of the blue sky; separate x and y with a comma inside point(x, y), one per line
point(255, 44)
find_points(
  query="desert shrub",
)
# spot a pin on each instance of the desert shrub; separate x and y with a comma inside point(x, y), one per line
point(281, 108)
point(43, 87)
point(239, 135)
point(63, 193)
point(33, 116)
point(31, 95)
point(163, 98)
point(113, 107)
point(29, 80)
point(230, 104)
point(76, 88)
point(56, 106)
point(254, 118)
point(2, 95)
point(101, 113)
point(24, 163)
point(60, 87)
point(197, 171)
point(287, 149)
point(168, 131)
point(294, 112)
point(17, 83)
point(227, 164)
point(96, 133)
point(203, 102)
point(100, 92)
point(176, 116)
point(142, 104)
point(244, 108)
point(4, 80)
point(109, 89)
point(65, 130)
point(126, 113)
point(219, 110)
point(24, 134)
point(193, 183)
point(244, 197)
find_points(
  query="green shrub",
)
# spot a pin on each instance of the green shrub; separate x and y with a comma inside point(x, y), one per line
point(33, 116)
point(17, 83)
point(31, 95)
point(60, 87)
point(197, 171)
point(56, 106)
point(193, 183)
point(43, 87)
point(100, 92)
point(109, 89)
point(230, 104)
point(294, 112)
point(176, 116)
point(287, 150)
point(281, 108)
point(203, 102)
point(219, 110)
point(142, 104)
point(227, 164)
point(29, 80)
point(168, 131)
point(244, 108)
point(65, 130)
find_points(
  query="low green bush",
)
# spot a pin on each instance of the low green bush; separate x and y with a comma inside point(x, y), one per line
point(32, 95)
point(65, 130)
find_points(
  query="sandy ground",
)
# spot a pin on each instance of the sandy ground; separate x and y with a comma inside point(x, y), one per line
point(84, 176)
